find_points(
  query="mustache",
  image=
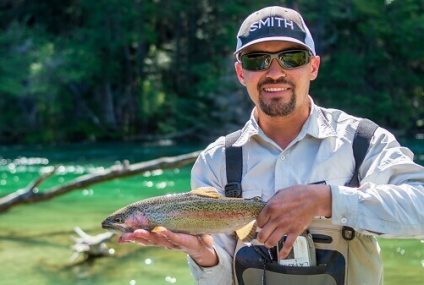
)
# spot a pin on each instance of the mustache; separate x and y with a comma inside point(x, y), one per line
point(281, 80)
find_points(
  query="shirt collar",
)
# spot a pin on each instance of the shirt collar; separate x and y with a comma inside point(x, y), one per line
point(317, 125)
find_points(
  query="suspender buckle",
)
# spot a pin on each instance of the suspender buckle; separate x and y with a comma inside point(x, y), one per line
point(348, 233)
point(233, 189)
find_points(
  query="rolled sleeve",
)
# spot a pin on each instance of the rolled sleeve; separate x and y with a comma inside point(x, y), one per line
point(218, 274)
point(344, 205)
point(390, 199)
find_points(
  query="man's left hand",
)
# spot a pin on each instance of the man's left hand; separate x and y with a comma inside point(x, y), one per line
point(290, 211)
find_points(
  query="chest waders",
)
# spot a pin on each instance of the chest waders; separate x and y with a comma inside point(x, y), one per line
point(256, 264)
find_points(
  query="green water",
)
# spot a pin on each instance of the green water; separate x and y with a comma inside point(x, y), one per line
point(35, 240)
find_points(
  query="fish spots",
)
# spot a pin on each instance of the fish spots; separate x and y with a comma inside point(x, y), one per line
point(190, 213)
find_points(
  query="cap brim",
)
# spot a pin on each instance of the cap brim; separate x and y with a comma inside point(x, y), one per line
point(268, 39)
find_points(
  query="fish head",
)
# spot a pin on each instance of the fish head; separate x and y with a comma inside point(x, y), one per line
point(126, 220)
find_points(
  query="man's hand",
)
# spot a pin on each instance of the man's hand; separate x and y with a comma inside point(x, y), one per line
point(200, 248)
point(290, 211)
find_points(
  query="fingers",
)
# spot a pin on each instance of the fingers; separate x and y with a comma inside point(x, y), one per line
point(289, 212)
point(273, 221)
point(263, 217)
point(174, 238)
point(200, 248)
point(167, 239)
point(272, 232)
point(146, 238)
point(287, 247)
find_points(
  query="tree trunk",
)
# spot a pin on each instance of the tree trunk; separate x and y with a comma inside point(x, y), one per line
point(108, 106)
point(32, 195)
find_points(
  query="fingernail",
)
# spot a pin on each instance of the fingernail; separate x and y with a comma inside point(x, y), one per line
point(259, 238)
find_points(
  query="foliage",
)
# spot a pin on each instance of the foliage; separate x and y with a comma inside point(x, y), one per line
point(121, 69)
point(370, 67)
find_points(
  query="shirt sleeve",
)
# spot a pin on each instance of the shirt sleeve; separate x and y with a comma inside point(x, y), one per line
point(207, 171)
point(222, 272)
point(390, 199)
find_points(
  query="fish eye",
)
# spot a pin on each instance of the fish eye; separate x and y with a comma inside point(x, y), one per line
point(118, 220)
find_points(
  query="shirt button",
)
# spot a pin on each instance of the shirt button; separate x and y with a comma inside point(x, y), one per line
point(282, 157)
point(343, 220)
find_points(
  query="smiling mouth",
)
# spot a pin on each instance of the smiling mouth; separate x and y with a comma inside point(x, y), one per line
point(275, 89)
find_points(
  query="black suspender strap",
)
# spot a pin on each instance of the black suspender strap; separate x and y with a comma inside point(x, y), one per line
point(234, 157)
point(360, 145)
point(234, 165)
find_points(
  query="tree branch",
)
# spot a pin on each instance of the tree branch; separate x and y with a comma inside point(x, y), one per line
point(32, 195)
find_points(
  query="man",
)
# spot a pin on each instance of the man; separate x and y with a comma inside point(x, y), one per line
point(299, 157)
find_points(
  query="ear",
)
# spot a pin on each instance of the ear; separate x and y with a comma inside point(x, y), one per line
point(315, 62)
point(239, 72)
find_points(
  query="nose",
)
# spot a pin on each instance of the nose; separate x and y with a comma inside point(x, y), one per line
point(275, 70)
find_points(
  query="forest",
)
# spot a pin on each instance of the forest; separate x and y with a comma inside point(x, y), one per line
point(109, 102)
point(113, 70)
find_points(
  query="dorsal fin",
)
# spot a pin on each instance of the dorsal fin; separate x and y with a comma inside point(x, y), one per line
point(256, 198)
point(209, 192)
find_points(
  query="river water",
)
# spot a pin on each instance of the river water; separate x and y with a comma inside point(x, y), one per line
point(36, 240)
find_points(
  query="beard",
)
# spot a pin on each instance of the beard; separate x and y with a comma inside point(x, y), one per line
point(275, 107)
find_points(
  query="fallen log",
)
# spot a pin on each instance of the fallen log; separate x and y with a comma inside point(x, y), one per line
point(91, 246)
point(30, 194)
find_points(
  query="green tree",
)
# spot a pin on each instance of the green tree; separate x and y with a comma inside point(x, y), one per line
point(108, 69)
point(369, 64)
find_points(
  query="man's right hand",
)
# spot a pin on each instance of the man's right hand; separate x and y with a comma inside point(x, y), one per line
point(200, 248)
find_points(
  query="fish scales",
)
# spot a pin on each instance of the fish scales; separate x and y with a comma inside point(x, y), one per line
point(203, 215)
point(193, 212)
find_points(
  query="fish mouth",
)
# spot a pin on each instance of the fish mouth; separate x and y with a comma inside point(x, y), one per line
point(116, 227)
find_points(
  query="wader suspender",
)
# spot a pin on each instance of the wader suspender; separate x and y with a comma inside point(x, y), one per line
point(234, 163)
point(360, 145)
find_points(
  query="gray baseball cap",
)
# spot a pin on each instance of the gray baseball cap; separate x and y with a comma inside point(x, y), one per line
point(274, 24)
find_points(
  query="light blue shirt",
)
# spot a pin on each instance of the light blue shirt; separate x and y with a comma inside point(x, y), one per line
point(389, 201)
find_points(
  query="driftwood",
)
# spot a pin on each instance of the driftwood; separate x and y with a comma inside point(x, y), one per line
point(30, 194)
point(89, 246)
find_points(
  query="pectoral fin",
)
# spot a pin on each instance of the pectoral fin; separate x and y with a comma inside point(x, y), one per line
point(247, 232)
point(158, 229)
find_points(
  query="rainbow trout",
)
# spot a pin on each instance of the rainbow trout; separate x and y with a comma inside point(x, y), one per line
point(201, 211)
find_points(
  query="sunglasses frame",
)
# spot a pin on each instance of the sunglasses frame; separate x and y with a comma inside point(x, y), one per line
point(276, 55)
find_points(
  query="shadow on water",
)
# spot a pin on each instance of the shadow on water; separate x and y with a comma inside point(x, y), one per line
point(89, 270)
point(29, 241)
point(132, 264)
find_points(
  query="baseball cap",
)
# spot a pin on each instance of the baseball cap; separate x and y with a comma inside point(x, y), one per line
point(274, 24)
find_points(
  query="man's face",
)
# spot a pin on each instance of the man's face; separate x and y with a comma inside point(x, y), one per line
point(278, 92)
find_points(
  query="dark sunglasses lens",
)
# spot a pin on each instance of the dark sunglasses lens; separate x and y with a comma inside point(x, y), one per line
point(293, 59)
point(255, 61)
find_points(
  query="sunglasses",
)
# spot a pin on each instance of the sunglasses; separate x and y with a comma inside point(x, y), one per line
point(288, 59)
